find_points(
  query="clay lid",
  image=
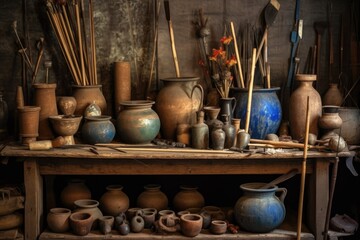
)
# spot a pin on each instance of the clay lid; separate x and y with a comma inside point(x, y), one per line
point(306, 77)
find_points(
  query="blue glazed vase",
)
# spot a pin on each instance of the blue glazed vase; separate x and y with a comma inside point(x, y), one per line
point(137, 122)
point(266, 112)
point(260, 210)
point(98, 129)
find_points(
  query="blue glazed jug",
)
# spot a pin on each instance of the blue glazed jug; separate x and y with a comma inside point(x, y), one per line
point(98, 129)
point(266, 113)
point(260, 210)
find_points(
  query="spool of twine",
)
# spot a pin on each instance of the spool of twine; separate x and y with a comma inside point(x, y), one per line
point(122, 83)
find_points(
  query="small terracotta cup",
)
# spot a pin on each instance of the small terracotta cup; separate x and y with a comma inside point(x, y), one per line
point(191, 224)
point(218, 227)
point(81, 223)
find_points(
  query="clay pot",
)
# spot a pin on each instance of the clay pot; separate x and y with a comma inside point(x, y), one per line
point(177, 103)
point(230, 132)
point(333, 96)
point(75, 190)
point(215, 212)
point(137, 224)
point(136, 122)
point(114, 201)
point(350, 127)
point(227, 107)
point(98, 129)
point(28, 123)
point(124, 228)
point(58, 219)
point(132, 212)
point(217, 136)
point(66, 105)
point(149, 216)
point(89, 206)
point(297, 107)
point(200, 133)
point(266, 111)
point(45, 98)
point(106, 224)
point(152, 197)
point(188, 197)
point(86, 95)
point(191, 224)
point(81, 223)
point(218, 227)
point(330, 118)
point(66, 126)
point(260, 210)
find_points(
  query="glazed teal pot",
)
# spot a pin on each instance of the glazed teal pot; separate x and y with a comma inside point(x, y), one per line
point(98, 129)
point(137, 123)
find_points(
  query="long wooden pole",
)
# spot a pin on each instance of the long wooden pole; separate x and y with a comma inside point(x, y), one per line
point(251, 85)
point(303, 171)
point(241, 78)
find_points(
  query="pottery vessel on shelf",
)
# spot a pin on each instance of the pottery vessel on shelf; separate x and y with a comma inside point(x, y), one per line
point(106, 223)
point(76, 189)
point(152, 197)
point(350, 127)
point(266, 112)
point(260, 210)
point(330, 118)
point(333, 96)
point(298, 105)
point(86, 95)
point(58, 219)
point(200, 133)
point(66, 126)
point(66, 105)
point(177, 102)
point(218, 227)
point(98, 129)
point(215, 212)
point(89, 206)
point(45, 98)
point(114, 201)
point(136, 122)
point(191, 224)
point(188, 197)
point(28, 123)
point(81, 223)
point(227, 107)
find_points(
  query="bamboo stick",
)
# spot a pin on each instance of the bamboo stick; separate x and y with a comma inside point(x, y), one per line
point(241, 80)
point(92, 41)
point(79, 36)
point(251, 84)
point(303, 171)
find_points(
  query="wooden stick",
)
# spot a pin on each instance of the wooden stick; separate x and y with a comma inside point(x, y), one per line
point(268, 84)
point(251, 84)
point(172, 39)
point(92, 42)
point(303, 171)
point(241, 80)
point(80, 42)
point(180, 150)
point(284, 144)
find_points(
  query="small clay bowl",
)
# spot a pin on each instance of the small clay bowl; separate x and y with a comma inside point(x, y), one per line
point(81, 223)
point(218, 227)
point(191, 224)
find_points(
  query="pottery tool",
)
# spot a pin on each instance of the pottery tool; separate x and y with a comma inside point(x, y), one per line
point(270, 12)
point(282, 144)
point(303, 171)
point(240, 80)
point(281, 178)
point(251, 85)
point(40, 47)
point(153, 55)
point(172, 39)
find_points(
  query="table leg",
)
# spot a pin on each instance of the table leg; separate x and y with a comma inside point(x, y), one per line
point(34, 199)
point(318, 196)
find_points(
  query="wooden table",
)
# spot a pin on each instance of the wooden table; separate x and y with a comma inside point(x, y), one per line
point(81, 161)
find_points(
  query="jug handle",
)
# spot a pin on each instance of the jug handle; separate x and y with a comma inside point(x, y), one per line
point(283, 193)
point(202, 94)
point(233, 103)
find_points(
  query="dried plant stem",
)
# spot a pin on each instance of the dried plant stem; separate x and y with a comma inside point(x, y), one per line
point(241, 81)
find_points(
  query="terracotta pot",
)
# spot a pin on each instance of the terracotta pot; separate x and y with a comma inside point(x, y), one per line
point(66, 126)
point(81, 223)
point(152, 197)
point(114, 201)
point(75, 190)
point(98, 129)
point(28, 123)
point(260, 210)
point(330, 118)
point(333, 96)
point(297, 107)
point(177, 103)
point(218, 227)
point(89, 206)
point(106, 223)
point(85, 95)
point(58, 219)
point(188, 197)
point(45, 98)
point(136, 122)
point(66, 105)
point(191, 224)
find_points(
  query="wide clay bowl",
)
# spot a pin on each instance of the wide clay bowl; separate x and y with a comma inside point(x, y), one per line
point(64, 125)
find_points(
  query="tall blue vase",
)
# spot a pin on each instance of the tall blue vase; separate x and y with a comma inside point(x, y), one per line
point(266, 113)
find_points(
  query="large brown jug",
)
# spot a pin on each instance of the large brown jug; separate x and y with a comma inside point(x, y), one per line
point(177, 103)
point(298, 105)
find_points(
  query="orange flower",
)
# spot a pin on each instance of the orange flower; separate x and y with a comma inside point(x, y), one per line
point(231, 62)
point(226, 40)
point(216, 53)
